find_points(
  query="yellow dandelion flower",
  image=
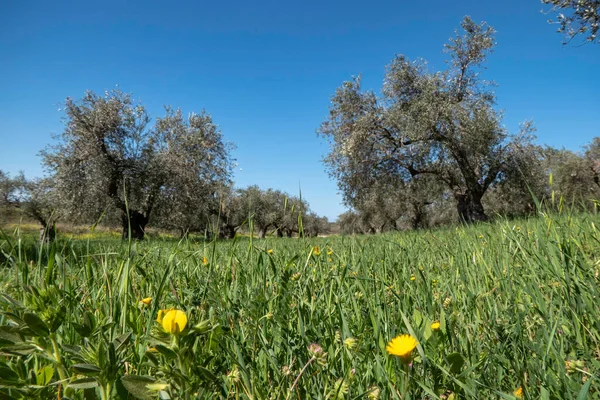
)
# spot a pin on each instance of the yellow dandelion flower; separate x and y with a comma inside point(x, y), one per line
point(316, 251)
point(146, 300)
point(518, 393)
point(329, 252)
point(270, 251)
point(412, 277)
point(204, 260)
point(174, 321)
point(402, 346)
point(435, 326)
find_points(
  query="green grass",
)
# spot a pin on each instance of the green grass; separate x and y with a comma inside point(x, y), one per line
point(518, 304)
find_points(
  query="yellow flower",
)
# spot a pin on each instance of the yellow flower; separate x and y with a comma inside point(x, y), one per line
point(316, 251)
point(374, 393)
point(329, 252)
point(146, 300)
point(204, 260)
point(402, 346)
point(350, 343)
point(412, 277)
point(435, 326)
point(270, 251)
point(174, 321)
point(519, 393)
point(161, 314)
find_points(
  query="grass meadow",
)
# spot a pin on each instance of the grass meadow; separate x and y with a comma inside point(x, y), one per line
point(517, 304)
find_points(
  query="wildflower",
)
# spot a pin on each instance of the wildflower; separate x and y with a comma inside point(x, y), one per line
point(338, 336)
point(161, 314)
point(329, 251)
point(316, 251)
point(270, 251)
point(374, 392)
point(286, 371)
point(402, 346)
point(350, 343)
point(234, 375)
point(316, 353)
point(146, 300)
point(435, 326)
point(174, 321)
point(518, 393)
point(447, 302)
point(204, 260)
point(572, 366)
point(339, 390)
point(412, 277)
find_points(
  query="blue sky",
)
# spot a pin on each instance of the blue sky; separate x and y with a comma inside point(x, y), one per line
point(265, 71)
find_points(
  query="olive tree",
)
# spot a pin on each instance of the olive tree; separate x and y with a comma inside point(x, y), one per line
point(33, 197)
point(108, 157)
point(442, 124)
point(577, 17)
point(572, 177)
point(313, 225)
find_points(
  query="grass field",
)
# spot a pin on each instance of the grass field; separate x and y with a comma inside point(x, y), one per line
point(517, 304)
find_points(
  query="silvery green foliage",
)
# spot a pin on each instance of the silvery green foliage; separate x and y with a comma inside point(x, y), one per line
point(577, 18)
point(574, 176)
point(195, 164)
point(109, 158)
point(36, 198)
point(265, 211)
point(442, 124)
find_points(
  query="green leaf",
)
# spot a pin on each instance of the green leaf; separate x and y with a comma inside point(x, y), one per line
point(165, 351)
point(544, 394)
point(455, 362)
point(86, 369)
point(583, 393)
point(15, 304)
point(44, 375)
point(137, 386)
point(83, 383)
point(18, 350)
point(82, 330)
point(35, 323)
point(7, 375)
point(121, 342)
point(9, 336)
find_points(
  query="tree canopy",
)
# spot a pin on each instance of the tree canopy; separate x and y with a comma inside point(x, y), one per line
point(577, 18)
point(442, 124)
point(108, 158)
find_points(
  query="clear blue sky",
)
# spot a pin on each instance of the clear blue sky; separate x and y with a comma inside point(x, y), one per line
point(265, 70)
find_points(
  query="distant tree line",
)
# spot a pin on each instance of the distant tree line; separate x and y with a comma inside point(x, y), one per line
point(110, 165)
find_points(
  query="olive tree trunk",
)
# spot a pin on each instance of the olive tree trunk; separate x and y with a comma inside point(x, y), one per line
point(469, 207)
point(47, 233)
point(137, 222)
